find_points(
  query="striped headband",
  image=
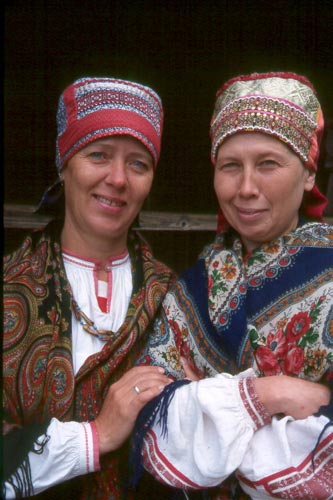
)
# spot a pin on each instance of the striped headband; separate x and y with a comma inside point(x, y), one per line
point(92, 108)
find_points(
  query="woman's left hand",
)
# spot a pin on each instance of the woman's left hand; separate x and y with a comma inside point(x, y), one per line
point(124, 400)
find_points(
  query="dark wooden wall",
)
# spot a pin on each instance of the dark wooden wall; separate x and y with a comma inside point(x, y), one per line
point(184, 49)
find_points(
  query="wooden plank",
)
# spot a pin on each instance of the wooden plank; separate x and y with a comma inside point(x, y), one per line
point(23, 217)
point(171, 221)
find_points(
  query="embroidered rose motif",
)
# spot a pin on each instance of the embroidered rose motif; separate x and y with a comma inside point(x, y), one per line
point(293, 362)
point(267, 361)
point(298, 326)
point(268, 356)
point(277, 343)
point(294, 348)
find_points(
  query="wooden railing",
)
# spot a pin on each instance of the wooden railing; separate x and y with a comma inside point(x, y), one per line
point(24, 217)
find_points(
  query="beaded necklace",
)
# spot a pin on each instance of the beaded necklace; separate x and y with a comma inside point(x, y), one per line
point(88, 325)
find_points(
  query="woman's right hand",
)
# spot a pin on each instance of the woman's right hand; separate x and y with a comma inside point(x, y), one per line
point(122, 404)
point(291, 396)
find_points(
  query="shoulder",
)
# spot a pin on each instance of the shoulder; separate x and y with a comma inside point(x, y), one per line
point(31, 253)
point(313, 234)
point(143, 257)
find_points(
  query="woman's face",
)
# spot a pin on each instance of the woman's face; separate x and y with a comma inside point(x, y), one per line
point(259, 183)
point(106, 184)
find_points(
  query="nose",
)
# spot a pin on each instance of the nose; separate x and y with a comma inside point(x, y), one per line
point(249, 183)
point(116, 173)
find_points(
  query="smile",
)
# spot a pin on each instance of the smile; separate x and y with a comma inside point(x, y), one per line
point(250, 211)
point(111, 203)
point(250, 214)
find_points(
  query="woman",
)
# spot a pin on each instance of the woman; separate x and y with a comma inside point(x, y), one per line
point(79, 300)
point(253, 316)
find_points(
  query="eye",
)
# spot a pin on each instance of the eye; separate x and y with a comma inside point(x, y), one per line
point(140, 165)
point(97, 156)
point(269, 163)
point(228, 167)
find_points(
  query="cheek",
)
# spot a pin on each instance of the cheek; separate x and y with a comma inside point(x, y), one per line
point(145, 188)
point(222, 188)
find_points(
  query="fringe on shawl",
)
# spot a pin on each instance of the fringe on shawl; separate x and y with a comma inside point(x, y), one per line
point(16, 447)
point(158, 407)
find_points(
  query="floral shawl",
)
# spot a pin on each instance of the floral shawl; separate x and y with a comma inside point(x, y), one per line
point(271, 310)
point(38, 378)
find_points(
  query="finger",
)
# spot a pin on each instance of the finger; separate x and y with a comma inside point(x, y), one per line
point(139, 373)
point(189, 373)
point(148, 394)
point(156, 383)
point(144, 370)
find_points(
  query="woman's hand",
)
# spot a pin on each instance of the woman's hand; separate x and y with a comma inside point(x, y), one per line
point(291, 396)
point(189, 373)
point(122, 404)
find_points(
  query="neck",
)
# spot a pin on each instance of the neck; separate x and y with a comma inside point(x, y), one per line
point(91, 247)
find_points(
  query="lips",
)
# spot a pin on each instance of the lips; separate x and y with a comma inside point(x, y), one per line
point(250, 211)
point(112, 202)
point(251, 214)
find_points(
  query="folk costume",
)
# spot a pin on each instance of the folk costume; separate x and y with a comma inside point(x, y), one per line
point(39, 380)
point(235, 316)
point(67, 336)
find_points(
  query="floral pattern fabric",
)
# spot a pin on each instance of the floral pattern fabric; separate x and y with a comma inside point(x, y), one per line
point(296, 342)
point(38, 375)
point(271, 310)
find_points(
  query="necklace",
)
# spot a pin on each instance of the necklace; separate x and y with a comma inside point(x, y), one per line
point(88, 325)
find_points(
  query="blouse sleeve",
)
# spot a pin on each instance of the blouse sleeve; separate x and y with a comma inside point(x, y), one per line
point(290, 459)
point(209, 425)
point(70, 450)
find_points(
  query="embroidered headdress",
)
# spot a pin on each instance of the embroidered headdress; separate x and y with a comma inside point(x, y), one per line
point(283, 105)
point(92, 108)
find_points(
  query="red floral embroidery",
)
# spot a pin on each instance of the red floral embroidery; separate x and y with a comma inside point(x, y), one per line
point(267, 361)
point(294, 347)
point(294, 361)
point(297, 326)
point(277, 343)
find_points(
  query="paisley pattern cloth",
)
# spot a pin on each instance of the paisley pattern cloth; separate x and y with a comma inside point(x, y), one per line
point(271, 311)
point(38, 380)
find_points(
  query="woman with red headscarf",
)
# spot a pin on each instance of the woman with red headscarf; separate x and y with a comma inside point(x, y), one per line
point(80, 297)
point(252, 319)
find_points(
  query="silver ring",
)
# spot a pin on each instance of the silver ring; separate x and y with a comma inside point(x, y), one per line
point(136, 389)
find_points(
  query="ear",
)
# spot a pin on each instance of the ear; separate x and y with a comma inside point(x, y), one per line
point(309, 180)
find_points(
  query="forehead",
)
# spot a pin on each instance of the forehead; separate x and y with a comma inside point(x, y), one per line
point(119, 140)
point(256, 142)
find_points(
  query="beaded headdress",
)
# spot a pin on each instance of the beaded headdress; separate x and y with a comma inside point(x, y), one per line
point(283, 105)
point(92, 108)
